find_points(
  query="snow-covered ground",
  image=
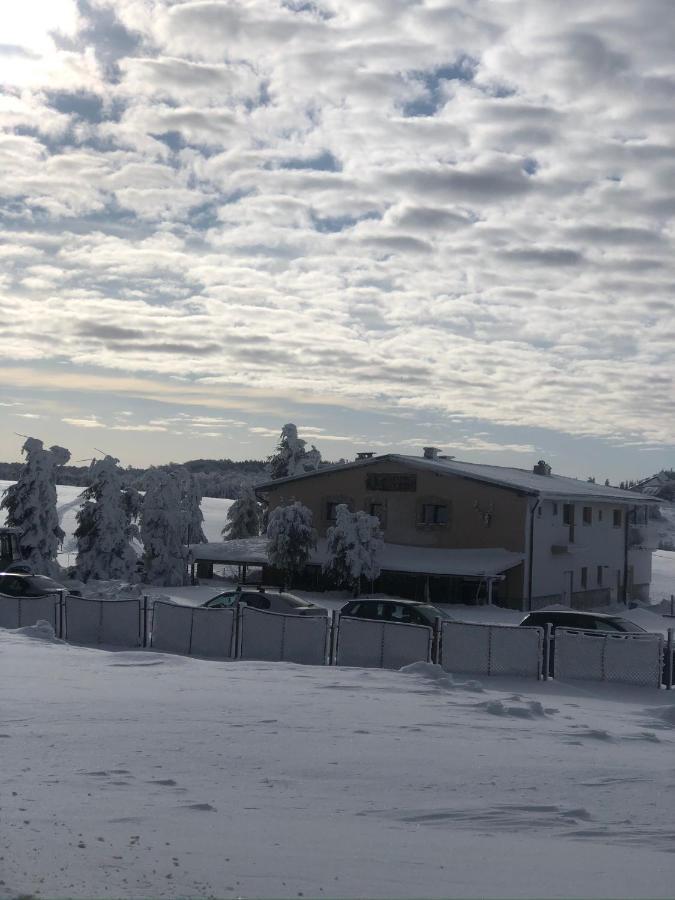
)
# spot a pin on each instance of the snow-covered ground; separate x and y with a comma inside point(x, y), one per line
point(140, 774)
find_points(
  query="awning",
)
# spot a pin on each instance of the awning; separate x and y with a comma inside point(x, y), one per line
point(403, 558)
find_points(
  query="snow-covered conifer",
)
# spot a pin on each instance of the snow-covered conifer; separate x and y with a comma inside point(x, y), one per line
point(191, 499)
point(105, 525)
point(291, 538)
point(163, 530)
point(354, 548)
point(290, 456)
point(243, 517)
point(31, 506)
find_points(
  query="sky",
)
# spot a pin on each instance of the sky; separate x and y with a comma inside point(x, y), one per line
point(392, 222)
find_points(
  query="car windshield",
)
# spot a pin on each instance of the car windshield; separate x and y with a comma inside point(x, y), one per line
point(296, 601)
point(432, 612)
point(625, 626)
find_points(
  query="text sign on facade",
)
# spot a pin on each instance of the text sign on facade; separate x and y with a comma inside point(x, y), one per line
point(379, 482)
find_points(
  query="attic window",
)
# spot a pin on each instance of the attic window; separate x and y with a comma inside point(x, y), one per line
point(434, 514)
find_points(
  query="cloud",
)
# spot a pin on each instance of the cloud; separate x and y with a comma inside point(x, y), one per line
point(464, 210)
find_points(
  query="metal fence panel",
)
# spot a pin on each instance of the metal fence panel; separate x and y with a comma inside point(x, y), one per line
point(578, 654)
point(17, 612)
point(113, 622)
point(280, 638)
point(465, 647)
point(171, 626)
point(212, 632)
point(516, 651)
point(634, 659)
point(359, 643)
point(404, 644)
point(305, 639)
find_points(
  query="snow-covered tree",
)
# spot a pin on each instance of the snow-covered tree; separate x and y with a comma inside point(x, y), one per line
point(163, 529)
point(291, 538)
point(191, 499)
point(354, 548)
point(31, 506)
point(243, 517)
point(290, 456)
point(105, 525)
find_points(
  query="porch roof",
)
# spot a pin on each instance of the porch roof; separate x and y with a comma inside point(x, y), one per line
point(402, 558)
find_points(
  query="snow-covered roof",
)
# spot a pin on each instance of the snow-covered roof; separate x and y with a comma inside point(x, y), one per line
point(395, 557)
point(525, 480)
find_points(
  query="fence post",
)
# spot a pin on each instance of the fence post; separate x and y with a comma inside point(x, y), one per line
point(489, 671)
point(436, 641)
point(328, 648)
point(238, 630)
point(546, 662)
point(145, 620)
point(669, 661)
point(335, 637)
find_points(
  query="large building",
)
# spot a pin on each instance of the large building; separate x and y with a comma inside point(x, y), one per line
point(463, 532)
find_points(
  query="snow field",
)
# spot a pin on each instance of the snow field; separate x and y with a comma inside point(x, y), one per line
point(193, 779)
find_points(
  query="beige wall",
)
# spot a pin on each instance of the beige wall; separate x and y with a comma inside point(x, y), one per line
point(470, 504)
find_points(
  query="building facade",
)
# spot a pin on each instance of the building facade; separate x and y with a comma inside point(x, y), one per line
point(569, 542)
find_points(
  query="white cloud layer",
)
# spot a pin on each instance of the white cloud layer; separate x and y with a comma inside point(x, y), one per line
point(461, 207)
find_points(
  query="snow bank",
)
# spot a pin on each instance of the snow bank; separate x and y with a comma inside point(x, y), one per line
point(436, 674)
point(41, 631)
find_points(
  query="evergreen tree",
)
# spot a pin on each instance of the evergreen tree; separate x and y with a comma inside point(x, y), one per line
point(290, 456)
point(243, 517)
point(291, 538)
point(191, 499)
point(31, 506)
point(354, 547)
point(105, 525)
point(163, 530)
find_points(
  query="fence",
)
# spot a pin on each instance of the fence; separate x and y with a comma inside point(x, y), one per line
point(247, 633)
point(492, 649)
point(624, 658)
point(193, 630)
point(280, 638)
point(384, 645)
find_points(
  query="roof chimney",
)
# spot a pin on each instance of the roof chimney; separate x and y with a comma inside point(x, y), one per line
point(367, 454)
point(541, 468)
point(431, 452)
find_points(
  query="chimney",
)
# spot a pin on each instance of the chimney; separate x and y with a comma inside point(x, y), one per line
point(365, 454)
point(541, 468)
point(431, 452)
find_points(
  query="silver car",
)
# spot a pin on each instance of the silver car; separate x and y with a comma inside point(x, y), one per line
point(278, 602)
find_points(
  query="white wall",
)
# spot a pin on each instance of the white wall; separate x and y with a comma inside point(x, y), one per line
point(597, 544)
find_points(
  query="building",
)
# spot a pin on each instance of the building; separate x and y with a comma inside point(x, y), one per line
point(463, 532)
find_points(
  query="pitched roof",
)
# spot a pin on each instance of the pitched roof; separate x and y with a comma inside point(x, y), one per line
point(546, 486)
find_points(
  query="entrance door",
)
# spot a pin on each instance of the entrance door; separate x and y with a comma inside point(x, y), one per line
point(567, 588)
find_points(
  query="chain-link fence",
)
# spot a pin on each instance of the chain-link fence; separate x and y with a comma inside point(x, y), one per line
point(624, 658)
point(492, 649)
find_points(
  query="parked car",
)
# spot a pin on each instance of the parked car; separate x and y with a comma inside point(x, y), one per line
point(587, 621)
point(279, 602)
point(405, 611)
point(18, 584)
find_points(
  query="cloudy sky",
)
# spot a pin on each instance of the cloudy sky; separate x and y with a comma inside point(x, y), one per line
point(393, 222)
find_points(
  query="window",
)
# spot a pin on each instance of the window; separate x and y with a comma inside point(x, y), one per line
point(6, 546)
point(568, 513)
point(599, 515)
point(380, 482)
point(587, 515)
point(377, 509)
point(331, 510)
point(555, 509)
point(584, 577)
point(599, 578)
point(617, 518)
point(434, 514)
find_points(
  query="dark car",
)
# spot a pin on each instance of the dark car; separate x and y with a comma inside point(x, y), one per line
point(586, 621)
point(405, 611)
point(279, 602)
point(16, 584)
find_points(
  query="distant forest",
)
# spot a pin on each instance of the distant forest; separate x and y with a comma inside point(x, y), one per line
point(216, 477)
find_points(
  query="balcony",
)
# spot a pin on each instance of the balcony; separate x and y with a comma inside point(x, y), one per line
point(644, 537)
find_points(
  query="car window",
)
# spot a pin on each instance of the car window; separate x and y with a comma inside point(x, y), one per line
point(221, 600)
point(14, 586)
point(257, 601)
point(399, 613)
point(295, 602)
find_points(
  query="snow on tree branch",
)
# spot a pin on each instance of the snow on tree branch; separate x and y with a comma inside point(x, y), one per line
point(354, 548)
point(290, 456)
point(291, 538)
